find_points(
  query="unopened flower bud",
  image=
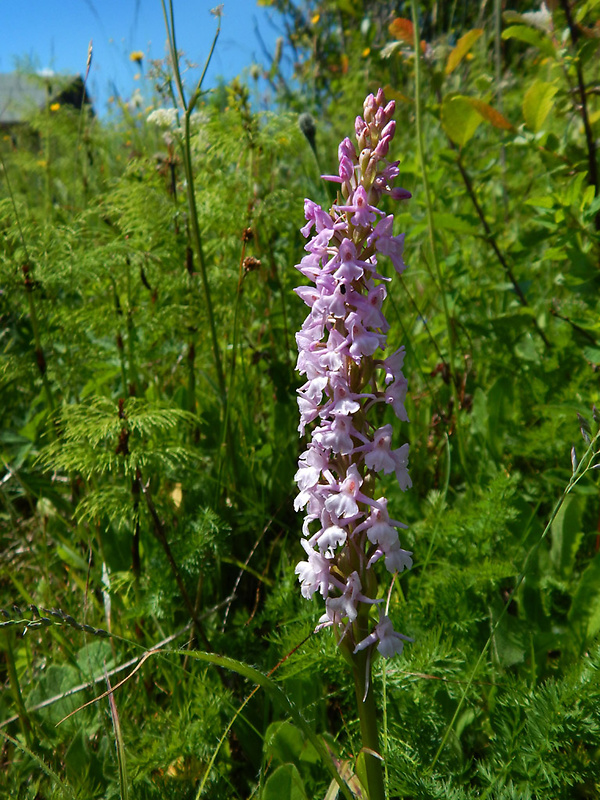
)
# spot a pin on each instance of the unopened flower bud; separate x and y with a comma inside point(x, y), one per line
point(369, 107)
point(383, 145)
point(389, 130)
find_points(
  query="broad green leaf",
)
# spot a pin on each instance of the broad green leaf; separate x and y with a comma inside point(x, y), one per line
point(584, 614)
point(459, 119)
point(71, 557)
point(587, 197)
point(284, 784)
point(283, 742)
point(566, 535)
point(464, 44)
point(461, 115)
point(592, 354)
point(530, 36)
point(543, 201)
point(575, 190)
point(537, 104)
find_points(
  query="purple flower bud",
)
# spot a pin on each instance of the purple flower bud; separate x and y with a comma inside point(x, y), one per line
point(400, 194)
point(389, 130)
point(383, 145)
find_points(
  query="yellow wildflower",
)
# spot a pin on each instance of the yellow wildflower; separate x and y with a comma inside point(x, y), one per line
point(54, 106)
point(137, 56)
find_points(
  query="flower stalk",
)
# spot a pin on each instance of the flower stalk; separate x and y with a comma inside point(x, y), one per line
point(347, 528)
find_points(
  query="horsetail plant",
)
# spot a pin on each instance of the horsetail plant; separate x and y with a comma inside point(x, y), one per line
point(347, 528)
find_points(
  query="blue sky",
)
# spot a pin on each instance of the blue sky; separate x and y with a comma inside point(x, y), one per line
point(54, 34)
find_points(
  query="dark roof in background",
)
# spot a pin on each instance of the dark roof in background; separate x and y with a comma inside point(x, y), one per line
point(22, 95)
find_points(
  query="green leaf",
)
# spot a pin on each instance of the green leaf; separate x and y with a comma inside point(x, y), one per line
point(283, 742)
point(543, 201)
point(71, 557)
point(530, 36)
point(464, 44)
point(459, 119)
point(537, 104)
point(572, 196)
point(461, 116)
point(592, 354)
point(284, 784)
point(566, 535)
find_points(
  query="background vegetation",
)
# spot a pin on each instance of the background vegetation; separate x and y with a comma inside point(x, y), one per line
point(149, 439)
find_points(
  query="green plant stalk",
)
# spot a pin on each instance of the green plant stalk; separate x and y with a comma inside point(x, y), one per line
point(121, 758)
point(431, 227)
point(384, 720)
point(361, 664)
point(367, 714)
point(188, 107)
point(582, 468)
point(120, 346)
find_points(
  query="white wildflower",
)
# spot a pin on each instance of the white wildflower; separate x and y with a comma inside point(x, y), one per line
point(163, 117)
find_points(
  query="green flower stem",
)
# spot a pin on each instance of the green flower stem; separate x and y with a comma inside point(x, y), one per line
point(188, 107)
point(430, 224)
point(367, 713)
